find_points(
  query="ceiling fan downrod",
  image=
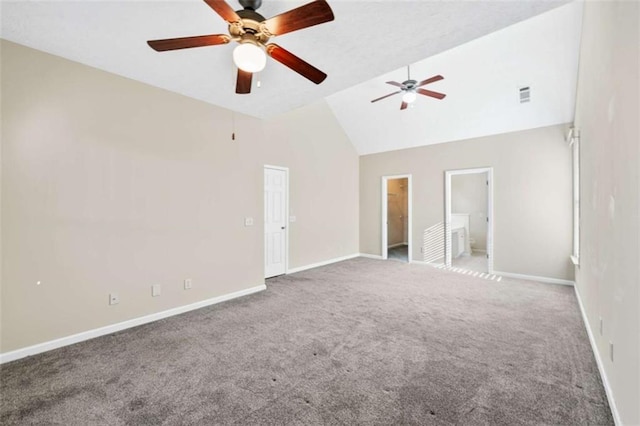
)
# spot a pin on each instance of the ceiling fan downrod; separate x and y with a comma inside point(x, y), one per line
point(251, 4)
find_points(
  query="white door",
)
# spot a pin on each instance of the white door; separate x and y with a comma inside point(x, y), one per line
point(275, 214)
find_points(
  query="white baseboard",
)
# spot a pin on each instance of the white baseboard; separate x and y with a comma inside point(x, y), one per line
point(370, 256)
point(534, 278)
point(323, 263)
point(497, 273)
point(596, 354)
point(97, 332)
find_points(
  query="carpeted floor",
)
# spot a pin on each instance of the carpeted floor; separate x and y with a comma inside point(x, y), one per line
point(358, 342)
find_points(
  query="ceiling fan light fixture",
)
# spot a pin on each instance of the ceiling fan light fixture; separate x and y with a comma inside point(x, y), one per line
point(409, 96)
point(252, 31)
point(249, 57)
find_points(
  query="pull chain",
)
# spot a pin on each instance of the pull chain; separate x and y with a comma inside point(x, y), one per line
point(233, 126)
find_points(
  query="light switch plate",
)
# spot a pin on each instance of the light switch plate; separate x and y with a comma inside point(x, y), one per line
point(114, 299)
point(248, 221)
point(292, 218)
point(188, 284)
point(155, 290)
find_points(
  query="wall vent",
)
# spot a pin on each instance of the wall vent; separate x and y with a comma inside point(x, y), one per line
point(525, 94)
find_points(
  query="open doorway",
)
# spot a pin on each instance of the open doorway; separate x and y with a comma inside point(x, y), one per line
point(396, 218)
point(469, 219)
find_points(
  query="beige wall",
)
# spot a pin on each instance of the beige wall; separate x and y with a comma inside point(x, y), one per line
point(607, 115)
point(532, 200)
point(110, 185)
point(469, 195)
point(397, 209)
point(323, 182)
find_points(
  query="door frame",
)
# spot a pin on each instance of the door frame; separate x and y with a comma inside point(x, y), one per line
point(447, 212)
point(286, 211)
point(384, 201)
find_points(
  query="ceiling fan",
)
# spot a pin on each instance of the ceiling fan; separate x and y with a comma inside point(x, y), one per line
point(252, 31)
point(411, 88)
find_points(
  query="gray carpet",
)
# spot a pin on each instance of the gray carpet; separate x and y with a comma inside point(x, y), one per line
point(358, 342)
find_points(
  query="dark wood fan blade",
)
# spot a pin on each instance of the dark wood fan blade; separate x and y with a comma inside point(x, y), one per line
point(430, 80)
point(224, 10)
point(298, 65)
point(386, 96)
point(404, 105)
point(243, 82)
point(430, 93)
point(188, 42)
point(395, 83)
point(314, 13)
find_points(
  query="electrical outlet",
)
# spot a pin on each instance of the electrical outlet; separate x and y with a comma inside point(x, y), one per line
point(601, 326)
point(155, 290)
point(114, 299)
point(611, 351)
point(187, 284)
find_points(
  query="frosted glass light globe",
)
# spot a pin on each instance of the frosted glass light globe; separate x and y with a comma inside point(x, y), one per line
point(409, 96)
point(249, 57)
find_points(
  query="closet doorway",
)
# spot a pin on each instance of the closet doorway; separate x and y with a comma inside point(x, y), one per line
point(469, 219)
point(276, 215)
point(396, 217)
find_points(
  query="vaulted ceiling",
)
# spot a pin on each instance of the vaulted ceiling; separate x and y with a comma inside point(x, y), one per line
point(368, 43)
point(482, 82)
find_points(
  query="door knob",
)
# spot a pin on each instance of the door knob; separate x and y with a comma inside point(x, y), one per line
point(283, 227)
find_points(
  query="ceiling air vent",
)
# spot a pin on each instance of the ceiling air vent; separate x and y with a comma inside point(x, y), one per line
point(525, 94)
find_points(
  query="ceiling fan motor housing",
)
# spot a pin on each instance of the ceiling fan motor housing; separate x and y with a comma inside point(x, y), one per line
point(248, 30)
point(410, 84)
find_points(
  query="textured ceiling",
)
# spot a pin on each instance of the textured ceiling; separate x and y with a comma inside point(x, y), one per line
point(367, 39)
point(482, 81)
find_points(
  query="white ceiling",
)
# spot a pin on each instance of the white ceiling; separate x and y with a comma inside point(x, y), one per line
point(367, 39)
point(482, 79)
